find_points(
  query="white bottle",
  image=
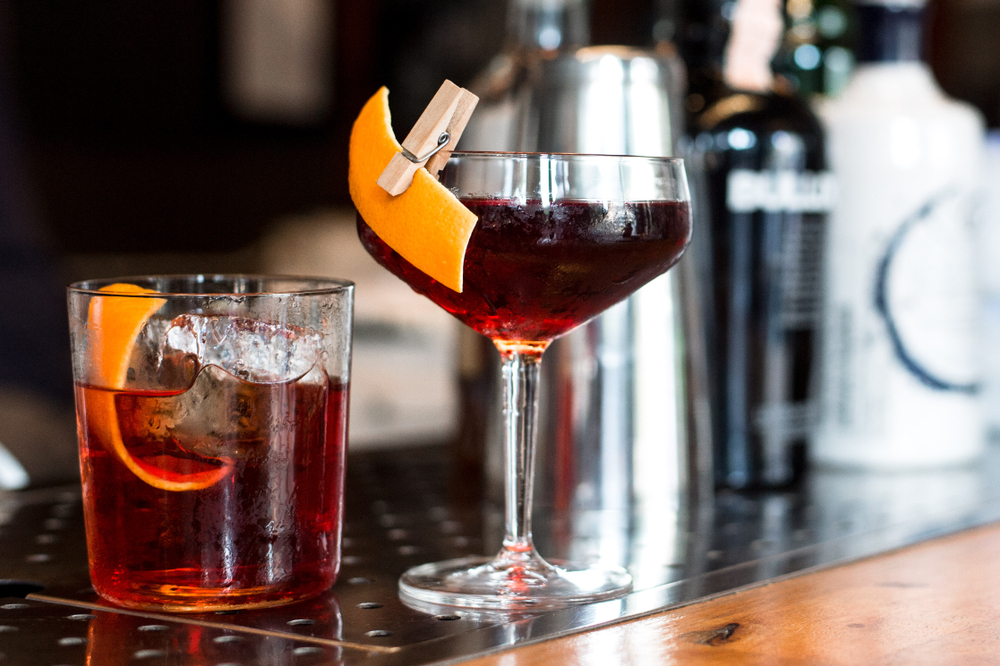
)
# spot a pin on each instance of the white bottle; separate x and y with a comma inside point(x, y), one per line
point(988, 246)
point(899, 370)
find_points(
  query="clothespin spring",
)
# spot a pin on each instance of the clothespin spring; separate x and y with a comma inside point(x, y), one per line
point(442, 142)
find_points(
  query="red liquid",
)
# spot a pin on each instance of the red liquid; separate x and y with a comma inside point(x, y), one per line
point(267, 533)
point(534, 273)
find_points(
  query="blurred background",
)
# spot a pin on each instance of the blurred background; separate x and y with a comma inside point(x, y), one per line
point(211, 135)
point(191, 126)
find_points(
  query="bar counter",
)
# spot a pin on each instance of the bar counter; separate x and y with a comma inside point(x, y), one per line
point(933, 603)
point(849, 568)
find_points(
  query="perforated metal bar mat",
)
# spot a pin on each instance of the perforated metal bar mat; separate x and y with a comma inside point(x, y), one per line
point(405, 507)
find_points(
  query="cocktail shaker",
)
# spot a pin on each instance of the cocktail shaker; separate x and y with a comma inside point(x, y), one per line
point(623, 442)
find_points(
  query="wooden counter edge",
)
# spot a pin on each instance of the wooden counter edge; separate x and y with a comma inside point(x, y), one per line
point(937, 602)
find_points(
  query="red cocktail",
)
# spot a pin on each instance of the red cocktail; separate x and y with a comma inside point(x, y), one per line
point(293, 462)
point(534, 272)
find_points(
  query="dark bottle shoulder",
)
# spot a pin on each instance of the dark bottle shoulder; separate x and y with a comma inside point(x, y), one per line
point(758, 112)
point(764, 117)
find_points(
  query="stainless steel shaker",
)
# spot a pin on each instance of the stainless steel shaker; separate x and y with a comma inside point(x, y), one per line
point(624, 435)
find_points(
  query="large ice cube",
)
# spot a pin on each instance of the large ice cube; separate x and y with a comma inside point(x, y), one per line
point(221, 416)
point(236, 374)
point(251, 349)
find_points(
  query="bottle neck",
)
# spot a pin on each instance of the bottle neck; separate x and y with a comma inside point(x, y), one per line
point(665, 21)
point(548, 25)
point(889, 33)
point(703, 30)
point(754, 37)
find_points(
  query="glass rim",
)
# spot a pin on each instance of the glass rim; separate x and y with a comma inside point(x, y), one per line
point(567, 157)
point(320, 285)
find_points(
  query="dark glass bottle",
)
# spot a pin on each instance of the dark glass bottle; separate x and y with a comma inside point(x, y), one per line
point(761, 192)
point(816, 54)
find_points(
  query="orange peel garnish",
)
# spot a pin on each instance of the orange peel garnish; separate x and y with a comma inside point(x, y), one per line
point(113, 327)
point(427, 225)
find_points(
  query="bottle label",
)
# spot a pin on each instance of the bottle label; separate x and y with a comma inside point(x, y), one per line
point(770, 241)
point(929, 322)
point(793, 206)
point(780, 191)
point(777, 230)
point(900, 366)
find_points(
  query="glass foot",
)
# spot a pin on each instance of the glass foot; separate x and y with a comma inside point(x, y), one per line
point(505, 583)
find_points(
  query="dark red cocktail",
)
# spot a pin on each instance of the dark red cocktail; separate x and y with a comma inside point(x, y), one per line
point(534, 272)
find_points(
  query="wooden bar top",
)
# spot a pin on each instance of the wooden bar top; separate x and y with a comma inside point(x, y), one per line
point(937, 602)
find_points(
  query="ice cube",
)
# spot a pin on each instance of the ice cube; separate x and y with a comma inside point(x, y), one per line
point(253, 350)
point(199, 418)
point(221, 416)
point(208, 418)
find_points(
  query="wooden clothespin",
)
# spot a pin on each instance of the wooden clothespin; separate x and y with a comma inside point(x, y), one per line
point(432, 138)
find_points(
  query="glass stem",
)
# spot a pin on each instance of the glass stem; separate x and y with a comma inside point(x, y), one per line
point(521, 365)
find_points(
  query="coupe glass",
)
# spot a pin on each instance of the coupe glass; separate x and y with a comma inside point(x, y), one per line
point(560, 239)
